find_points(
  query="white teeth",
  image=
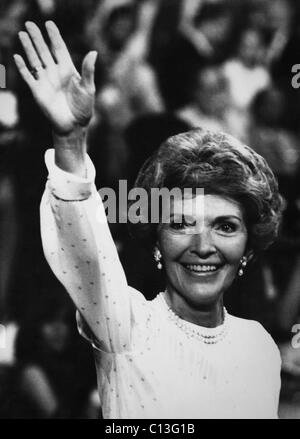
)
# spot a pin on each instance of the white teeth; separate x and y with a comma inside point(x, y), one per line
point(201, 268)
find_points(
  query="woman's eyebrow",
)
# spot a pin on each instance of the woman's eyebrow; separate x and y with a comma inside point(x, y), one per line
point(228, 217)
point(182, 217)
point(168, 217)
point(175, 215)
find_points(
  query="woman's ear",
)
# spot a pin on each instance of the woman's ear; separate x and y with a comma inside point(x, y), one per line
point(156, 248)
point(249, 255)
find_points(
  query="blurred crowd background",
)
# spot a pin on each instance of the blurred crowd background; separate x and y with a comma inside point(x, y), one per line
point(163, 66)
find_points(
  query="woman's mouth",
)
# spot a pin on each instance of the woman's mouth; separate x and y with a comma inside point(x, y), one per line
point(201, 269)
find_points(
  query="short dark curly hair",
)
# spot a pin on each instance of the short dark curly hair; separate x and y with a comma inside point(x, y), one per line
point(223, 166)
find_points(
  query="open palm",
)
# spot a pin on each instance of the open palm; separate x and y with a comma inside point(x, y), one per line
point(66, 98)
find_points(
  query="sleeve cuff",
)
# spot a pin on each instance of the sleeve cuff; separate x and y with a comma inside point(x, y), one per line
point(67, 186)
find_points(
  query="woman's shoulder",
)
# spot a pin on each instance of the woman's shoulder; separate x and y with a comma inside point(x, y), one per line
point(140, 306)
point(252, 327)
point(255, 335)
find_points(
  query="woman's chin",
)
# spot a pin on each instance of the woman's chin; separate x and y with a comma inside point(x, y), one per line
point(199, 297)
point(205, 288)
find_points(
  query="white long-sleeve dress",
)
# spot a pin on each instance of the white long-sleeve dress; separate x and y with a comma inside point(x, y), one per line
point(147, 366)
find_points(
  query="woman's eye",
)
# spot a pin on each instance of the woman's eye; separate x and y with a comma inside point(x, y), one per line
point(181, 224)
point(177, 225)
point(227, 228)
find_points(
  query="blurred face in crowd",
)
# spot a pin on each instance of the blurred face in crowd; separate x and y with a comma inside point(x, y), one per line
point(251, 48)
point(212, 94)
point(202, 253)
point(120, 27)
point(279, 14)
point(47, 7)
point(10, 23)
point(216, 30)
point(56, 334)
point(271, 14)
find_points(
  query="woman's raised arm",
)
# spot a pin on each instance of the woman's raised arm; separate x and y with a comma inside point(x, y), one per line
point(75, 234)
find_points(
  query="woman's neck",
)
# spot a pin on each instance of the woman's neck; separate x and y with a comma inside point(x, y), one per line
point(207, 315)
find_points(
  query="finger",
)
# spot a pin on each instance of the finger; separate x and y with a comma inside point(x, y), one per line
point(24, 72)
point(30, 51)
point(58, 45)
point(88, 71)
point(40, 45)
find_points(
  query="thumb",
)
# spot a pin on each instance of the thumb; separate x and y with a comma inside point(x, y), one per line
point(88, 70)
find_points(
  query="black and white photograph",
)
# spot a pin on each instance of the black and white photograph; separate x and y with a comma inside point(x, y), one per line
point(149, 212)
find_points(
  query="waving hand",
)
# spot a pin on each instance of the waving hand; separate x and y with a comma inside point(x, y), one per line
point(65, 96)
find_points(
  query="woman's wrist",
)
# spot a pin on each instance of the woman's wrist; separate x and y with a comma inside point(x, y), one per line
point(70, 151)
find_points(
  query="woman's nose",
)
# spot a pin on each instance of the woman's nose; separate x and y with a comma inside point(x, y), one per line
point(202, 243)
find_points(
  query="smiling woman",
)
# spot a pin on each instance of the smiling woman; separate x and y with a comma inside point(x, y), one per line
point(200, 267)
point(237, 216)
point(180, 355)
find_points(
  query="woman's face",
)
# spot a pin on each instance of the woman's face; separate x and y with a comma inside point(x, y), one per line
point(201, 248)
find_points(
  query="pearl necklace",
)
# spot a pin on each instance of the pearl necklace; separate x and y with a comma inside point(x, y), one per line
point(207, 338)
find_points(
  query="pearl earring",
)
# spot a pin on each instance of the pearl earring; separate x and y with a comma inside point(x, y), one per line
point(157, 257)
point(243, 262)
